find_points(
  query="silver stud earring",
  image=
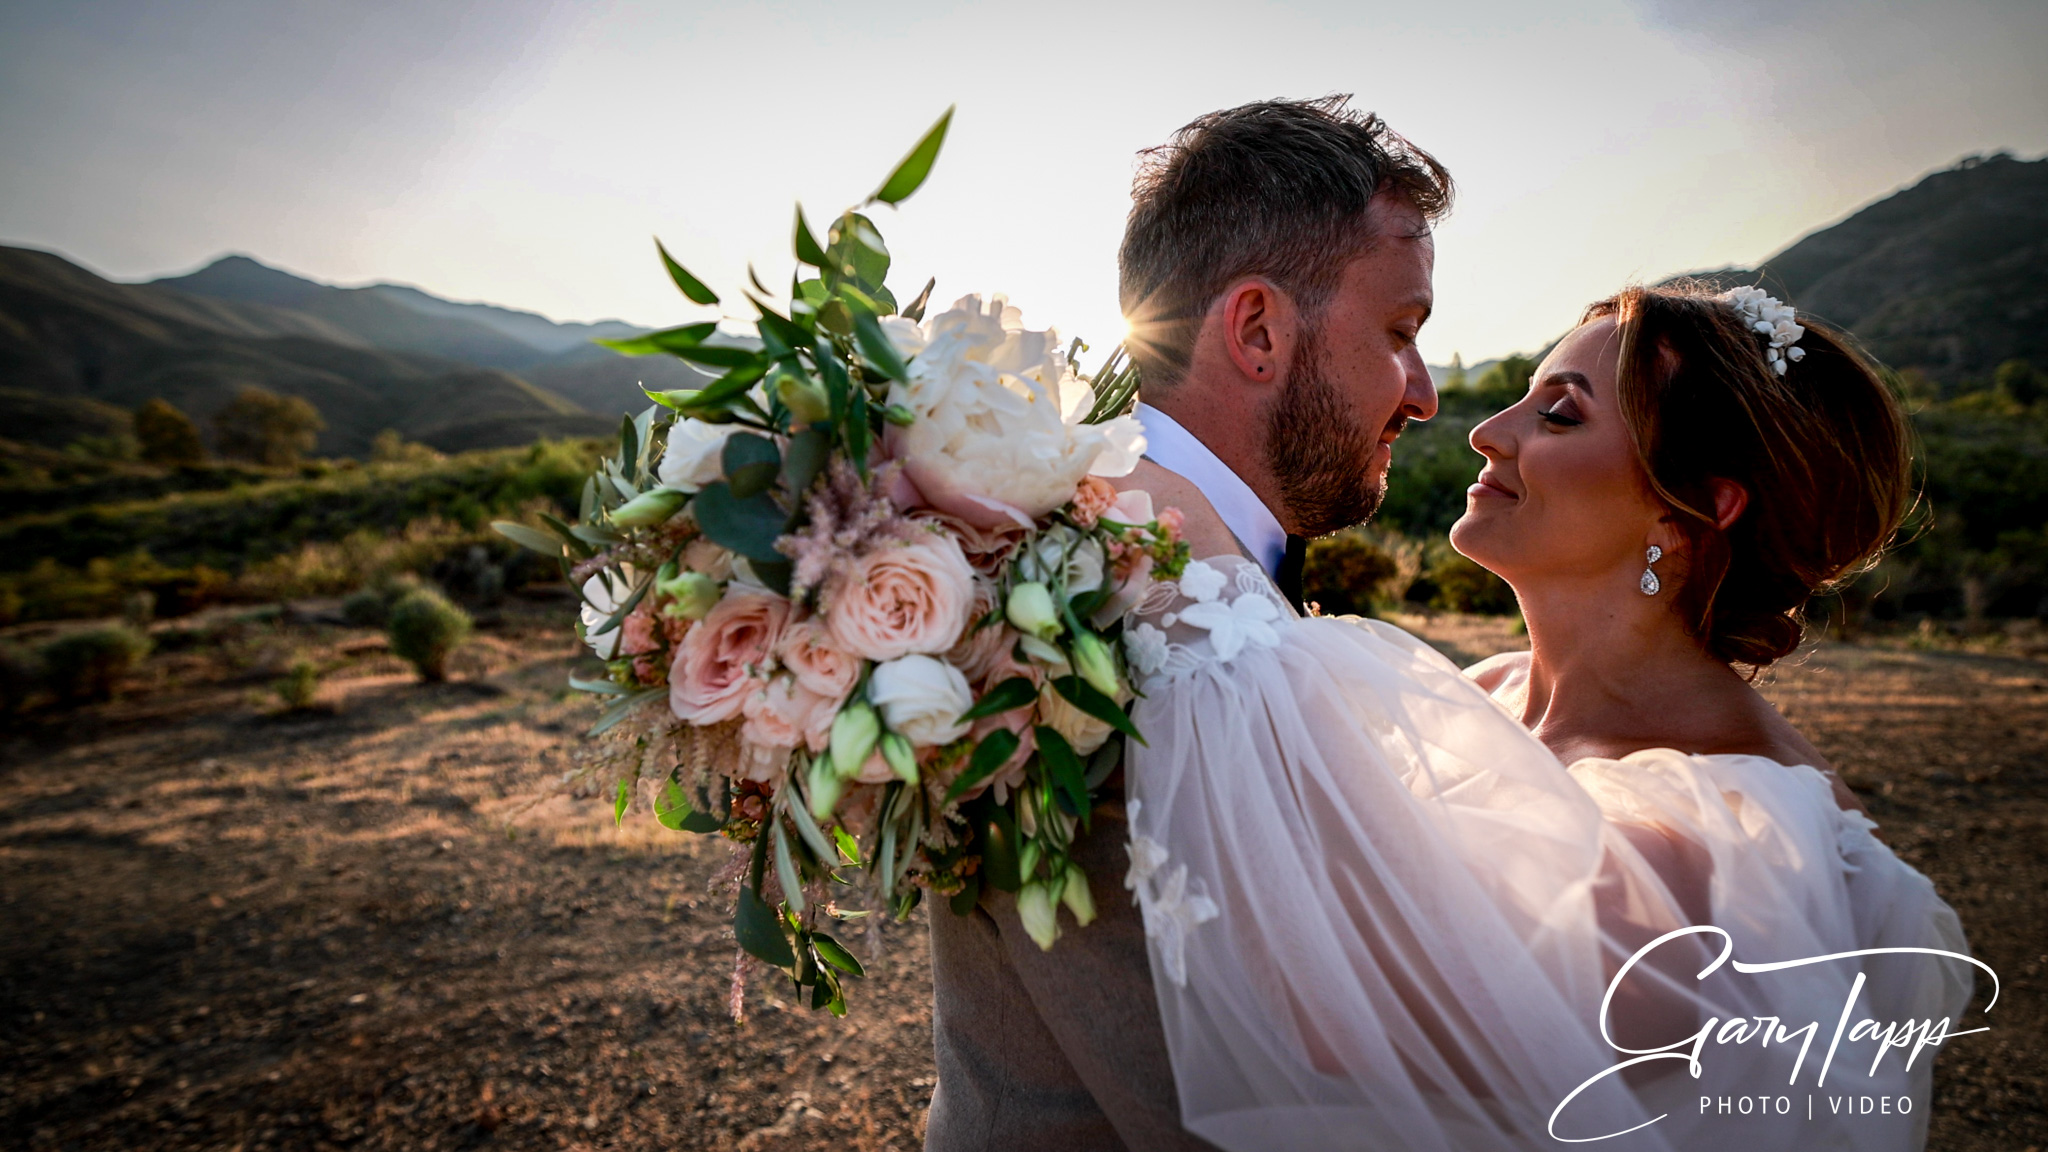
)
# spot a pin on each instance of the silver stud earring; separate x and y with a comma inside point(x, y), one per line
point(1650, 584)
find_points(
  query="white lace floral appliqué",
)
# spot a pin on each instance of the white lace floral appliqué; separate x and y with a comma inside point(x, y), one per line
point(1172, 904)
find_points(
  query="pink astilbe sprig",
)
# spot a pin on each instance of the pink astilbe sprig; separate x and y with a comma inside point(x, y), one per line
point(849, 517)
point(648, 551)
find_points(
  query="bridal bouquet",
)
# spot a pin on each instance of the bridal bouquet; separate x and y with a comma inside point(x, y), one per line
point(858, 597)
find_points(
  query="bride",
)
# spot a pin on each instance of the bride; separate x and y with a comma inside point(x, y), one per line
point(1384, 916)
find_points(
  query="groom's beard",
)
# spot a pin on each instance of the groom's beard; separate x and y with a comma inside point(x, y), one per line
point(1318, 452)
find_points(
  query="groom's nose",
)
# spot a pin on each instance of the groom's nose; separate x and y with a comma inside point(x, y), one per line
point(1418, 398)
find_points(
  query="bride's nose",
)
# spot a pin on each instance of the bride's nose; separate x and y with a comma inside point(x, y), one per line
point(1492, 438)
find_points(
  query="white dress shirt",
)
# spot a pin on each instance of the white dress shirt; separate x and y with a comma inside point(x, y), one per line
point(1175, 449)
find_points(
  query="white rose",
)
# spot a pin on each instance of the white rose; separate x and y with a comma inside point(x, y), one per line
point(694, 456)
point(1080, 573)
point(921, 698)
point(998, 435)
point(598, 606)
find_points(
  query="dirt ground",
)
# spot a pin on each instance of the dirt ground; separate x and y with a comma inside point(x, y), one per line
point(224, 926)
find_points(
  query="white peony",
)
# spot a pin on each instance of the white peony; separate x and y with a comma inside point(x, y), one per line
point(998, 436)
point(921, 698)
point(598, 606)
point(694, 456)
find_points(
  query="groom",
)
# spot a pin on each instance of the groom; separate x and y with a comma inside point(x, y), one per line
point(1275, 271)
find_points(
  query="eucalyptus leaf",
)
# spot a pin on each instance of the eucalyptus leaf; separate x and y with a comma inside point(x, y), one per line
point(911, 173)
point(752, 479)
point(759, 930)
point(688, 284)
point(804, 458)
point(744, 448)
point(748, 526)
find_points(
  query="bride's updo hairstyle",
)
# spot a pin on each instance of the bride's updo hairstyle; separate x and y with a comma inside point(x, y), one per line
point(1822, 451)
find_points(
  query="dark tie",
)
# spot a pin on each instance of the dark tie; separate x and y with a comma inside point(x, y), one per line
point(1289, 576)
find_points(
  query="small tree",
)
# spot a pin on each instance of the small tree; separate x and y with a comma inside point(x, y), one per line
point(168, 436)
point(425, 629)
point(262, 427)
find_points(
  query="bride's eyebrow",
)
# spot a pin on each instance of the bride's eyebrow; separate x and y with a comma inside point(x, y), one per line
point(1574, 379)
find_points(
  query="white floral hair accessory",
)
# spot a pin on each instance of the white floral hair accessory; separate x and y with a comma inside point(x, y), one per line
point(1770, 318)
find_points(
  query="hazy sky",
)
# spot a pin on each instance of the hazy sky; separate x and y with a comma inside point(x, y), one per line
point(523, 152)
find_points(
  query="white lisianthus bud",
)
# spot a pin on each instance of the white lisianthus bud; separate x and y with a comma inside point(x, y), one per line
point(804, 397)
point(825, 787)
point(922, 697)
point(650, 508)
point(692, 595)
point(854, 732)
point(1031, 610)
point(1093, 662)
point(1076, 897)
point(896, 750)
point(1035, 906)
point(1043, 653)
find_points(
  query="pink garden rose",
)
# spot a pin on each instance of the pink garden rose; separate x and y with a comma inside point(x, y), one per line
point(820, 664)
point(784, 714)
point(980, 650)
point(897, 601)
point(986, 548)
point(719, 662)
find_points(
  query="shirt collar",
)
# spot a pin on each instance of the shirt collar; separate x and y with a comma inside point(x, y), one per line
point(1174, 448)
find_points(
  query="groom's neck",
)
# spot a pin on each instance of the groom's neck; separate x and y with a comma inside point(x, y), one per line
point(1230, 423)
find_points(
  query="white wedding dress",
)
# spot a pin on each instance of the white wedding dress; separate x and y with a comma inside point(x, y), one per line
point(1382, 915)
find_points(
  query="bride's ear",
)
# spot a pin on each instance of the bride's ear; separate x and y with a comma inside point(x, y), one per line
point(1258, 329)
point(1730, 499)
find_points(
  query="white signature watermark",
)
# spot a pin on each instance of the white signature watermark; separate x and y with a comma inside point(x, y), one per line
point(1768, 1030)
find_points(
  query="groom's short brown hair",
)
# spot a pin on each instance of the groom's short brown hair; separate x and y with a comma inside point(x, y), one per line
point(1277, 189)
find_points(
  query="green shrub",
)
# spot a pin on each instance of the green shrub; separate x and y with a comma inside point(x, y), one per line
point(300, 684)
point(425, 629)
point(1463, 586)
point(1349, 573)
point(20, 673)
point(89, 664)
point(167, 436)
point(370, 605)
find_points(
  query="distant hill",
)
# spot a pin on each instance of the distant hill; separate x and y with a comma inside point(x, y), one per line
point(69, 334)
point(1949, 276)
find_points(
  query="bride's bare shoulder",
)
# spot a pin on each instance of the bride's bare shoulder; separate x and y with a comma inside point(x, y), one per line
point(1202, 528)
point(1496, 673)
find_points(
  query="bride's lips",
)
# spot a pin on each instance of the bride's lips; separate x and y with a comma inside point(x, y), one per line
point(1489, 488)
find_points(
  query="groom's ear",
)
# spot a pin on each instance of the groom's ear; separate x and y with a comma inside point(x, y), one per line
point(1260, 326)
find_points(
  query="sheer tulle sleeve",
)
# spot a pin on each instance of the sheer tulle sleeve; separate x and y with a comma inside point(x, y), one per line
point(1382, 915)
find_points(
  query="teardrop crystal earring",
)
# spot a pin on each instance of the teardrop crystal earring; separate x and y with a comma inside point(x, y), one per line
point(1650, 584)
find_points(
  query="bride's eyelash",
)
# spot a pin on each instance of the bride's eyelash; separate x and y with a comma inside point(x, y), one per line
point(1553, 416)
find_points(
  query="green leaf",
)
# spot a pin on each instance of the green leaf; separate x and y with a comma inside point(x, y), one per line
point(759, 930)
point(992, 753)
point(525, 537)
point(807, 248)
point(722, 356)
point(744, 448)
point(1084, 696)
point(619, 616)
point(805, 457)
point(799, 809)
point(1104, 761)
point(749, 527)
point(967, 897)
point(1011, 694)
point(690, 285)
point(785, 871)
point(623, 708)
point(916, 166)
point(915, 312)
point(752, 479)
point(666, 340)
point(878, 348)
point(1064, 766)
point(849, 849)
point(857, 253)
point(834, 953)
point(598, 687)
point(775, 329)
point(625, 799)
point(629, 444)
